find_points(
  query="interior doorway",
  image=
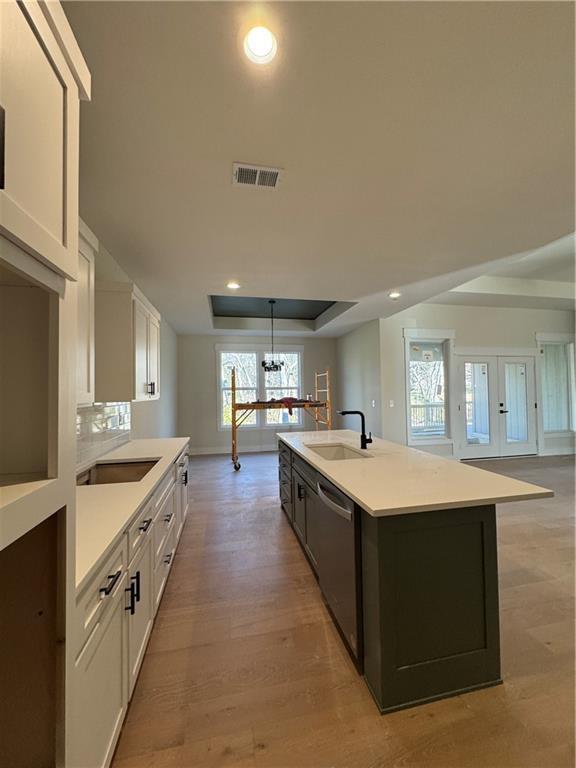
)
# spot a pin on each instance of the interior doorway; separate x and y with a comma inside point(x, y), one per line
point(497, 406)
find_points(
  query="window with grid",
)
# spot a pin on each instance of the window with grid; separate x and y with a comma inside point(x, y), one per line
point(253, 383)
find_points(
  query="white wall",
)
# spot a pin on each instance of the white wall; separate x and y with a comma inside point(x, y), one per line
point(198, 390)
point(475, 327)
point(157, 418)
point(358, 377)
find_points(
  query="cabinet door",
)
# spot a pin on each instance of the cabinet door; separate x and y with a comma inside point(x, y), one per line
point(163, 568)
point(85, 338)
point(99, 689)
point(40, 101)
point(141, 379)
point(154, 356)
point(299, 506)
point(313, 527)
point(140, 620)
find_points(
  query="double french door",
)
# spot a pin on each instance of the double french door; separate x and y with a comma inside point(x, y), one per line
point(497, 408)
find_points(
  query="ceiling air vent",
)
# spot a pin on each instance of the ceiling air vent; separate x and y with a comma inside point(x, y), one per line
point(256, 176)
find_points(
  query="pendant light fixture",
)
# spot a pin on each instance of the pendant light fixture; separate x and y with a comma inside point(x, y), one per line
point(271, 365)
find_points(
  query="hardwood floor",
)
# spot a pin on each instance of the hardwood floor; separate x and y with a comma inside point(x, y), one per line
point(245, 669)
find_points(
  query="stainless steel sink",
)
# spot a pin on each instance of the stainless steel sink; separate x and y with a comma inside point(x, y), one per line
point(116, 472)
point(337, 451)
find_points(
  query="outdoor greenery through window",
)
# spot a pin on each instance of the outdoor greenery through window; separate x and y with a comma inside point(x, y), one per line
point(427, 389)
point(253, 383)
point(557, 386)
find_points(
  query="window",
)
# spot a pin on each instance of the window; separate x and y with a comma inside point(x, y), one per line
point(253, 383)
point(427, 396)
point(557, 386)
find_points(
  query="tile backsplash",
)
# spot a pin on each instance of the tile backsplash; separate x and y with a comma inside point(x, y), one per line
point(100, 428)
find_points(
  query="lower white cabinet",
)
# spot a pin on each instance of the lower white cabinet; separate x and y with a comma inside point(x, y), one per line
point(114, 617)
point(139, 609)
point(100, 695)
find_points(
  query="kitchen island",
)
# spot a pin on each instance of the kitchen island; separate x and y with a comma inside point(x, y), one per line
point(403, 544)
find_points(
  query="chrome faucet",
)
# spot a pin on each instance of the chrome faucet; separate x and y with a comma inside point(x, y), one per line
point(363, 439)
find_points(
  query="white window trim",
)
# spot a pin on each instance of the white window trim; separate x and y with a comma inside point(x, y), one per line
point(260, 350)
point(563, 339)
point(446, 336)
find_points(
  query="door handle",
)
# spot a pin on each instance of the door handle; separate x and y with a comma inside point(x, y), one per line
point(112, 581)
point(136, 580)
point(132, 606)
point(342, 511)
point(503, 411)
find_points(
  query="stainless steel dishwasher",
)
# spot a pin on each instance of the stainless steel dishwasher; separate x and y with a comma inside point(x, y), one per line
point(339, 563)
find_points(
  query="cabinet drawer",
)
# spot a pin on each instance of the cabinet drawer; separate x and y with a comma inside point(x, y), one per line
point(284, 454)
point(306, 471)
point(140, 529)
point(100, 592)
point(163, 566)
point(164, 522)
point(164, 487)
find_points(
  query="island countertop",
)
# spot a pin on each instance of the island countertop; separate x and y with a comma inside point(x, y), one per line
point(396, 479)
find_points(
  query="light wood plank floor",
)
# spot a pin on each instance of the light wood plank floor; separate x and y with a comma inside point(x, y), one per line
point(244, 668)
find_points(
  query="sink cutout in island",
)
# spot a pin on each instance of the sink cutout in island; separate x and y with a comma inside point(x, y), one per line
point(116, 472)
point(336, 451)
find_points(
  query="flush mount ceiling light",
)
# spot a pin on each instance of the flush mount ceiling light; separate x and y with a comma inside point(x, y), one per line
point(233, 285)
point(271, 365)
point(394, 295)
point(260, 45)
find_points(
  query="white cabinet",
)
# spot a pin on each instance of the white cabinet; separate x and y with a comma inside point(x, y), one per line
point(87, 248)
point(127, 344)
point(99, 688)
point(42, 78)
point(139, 613)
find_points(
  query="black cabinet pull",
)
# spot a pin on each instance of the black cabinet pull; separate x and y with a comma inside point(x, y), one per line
point(145, 525)
point(168, 558)
point(301, 491)
point(132, 606)
point(136, 580)
point(168, 518)
point(112, 581)
point(185, 478)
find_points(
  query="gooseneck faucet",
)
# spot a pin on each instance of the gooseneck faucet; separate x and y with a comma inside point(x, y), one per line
point(363, 439)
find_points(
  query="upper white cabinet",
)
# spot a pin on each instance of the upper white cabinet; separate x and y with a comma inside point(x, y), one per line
point(87, 249)
point(42, 78)
point(127, 344)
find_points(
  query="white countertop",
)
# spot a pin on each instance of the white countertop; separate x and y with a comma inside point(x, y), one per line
point(399, 480)
point(103, 511)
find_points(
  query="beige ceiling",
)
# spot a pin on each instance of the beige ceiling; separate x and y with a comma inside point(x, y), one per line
point(417, 139)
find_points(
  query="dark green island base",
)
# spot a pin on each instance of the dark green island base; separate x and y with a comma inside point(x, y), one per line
point(430, 605)
point(413, 596)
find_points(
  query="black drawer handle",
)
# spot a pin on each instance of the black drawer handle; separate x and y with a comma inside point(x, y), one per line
point(145, 525)
point(112, 581)
point(168, 558)
point(168, 518)
point(136, 580)
point(132, 605)
point(301, 491)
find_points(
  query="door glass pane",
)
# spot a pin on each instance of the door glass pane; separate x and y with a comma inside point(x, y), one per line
point(555, 388)
point(477, 405)
point(516, 403)
point(427, 390)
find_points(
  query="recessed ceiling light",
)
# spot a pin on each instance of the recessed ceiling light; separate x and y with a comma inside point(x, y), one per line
point(260, 45)
point(394, 295)
point(233, 285)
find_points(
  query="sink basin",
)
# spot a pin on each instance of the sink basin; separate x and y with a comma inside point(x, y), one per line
point(116, 472)
point(337, 451)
